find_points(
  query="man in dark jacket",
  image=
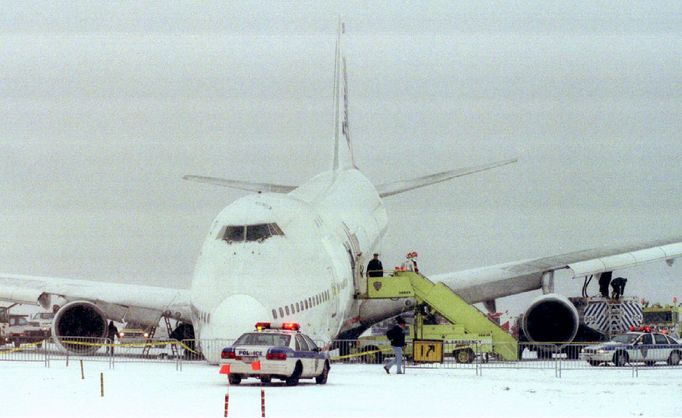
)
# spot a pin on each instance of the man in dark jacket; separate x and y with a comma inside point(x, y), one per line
point(375, 268)
point(112, 332)
point(618, 286)
point(604, 281)
point(396, 336)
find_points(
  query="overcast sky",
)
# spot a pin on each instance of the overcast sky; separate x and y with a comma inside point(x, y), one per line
point(104, 107)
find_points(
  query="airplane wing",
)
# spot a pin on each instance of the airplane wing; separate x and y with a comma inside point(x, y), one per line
point(489, 283)
point(117, 301)
point(241, 185)
point(390, 189)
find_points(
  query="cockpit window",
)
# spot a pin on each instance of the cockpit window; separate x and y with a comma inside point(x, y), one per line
point(256, 232)
point(274, 229)
point(233, 233)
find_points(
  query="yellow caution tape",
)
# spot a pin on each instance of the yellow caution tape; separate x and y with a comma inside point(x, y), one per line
point(87, 344)
point(364, 353)
point(22, 347)
point(138, 345)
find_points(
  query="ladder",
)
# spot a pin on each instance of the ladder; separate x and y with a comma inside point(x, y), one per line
point(169, 329)
point(610, 316)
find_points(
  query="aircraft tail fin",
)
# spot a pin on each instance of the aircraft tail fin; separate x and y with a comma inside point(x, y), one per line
point(242, 185)
point(343, 148)
point(390, 189)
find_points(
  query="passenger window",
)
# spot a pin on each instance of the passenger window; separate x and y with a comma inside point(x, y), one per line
point(660, 339)
point(274, 314)
point(281, 312)
point(301, 345)
point(306, 304)
point(233, 233)
point(286, 308)
point(310, 342)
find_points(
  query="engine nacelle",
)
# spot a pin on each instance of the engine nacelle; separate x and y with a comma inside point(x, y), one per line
point(551, 318)
point(79, 327)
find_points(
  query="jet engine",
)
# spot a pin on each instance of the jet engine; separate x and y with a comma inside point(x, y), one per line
point(79, 327)
point(551, 318)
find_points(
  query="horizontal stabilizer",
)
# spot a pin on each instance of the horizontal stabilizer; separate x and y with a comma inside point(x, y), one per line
point(397, 187)
point(242, 185)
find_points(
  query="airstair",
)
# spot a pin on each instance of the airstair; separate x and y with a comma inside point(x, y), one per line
point(442, 300)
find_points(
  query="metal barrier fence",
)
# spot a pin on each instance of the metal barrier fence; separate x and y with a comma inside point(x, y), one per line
point(103, 350)
point(456, 354)
point(468, 355)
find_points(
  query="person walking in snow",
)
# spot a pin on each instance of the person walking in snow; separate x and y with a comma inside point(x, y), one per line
point(396, 336)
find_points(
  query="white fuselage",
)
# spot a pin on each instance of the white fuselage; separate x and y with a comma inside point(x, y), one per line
point(303, 274)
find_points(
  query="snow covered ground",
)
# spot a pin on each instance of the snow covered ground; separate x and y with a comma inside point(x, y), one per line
point(153, 389)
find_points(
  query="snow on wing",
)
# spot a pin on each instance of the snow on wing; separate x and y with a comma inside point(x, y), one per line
point(489, 283)
point(117, 299)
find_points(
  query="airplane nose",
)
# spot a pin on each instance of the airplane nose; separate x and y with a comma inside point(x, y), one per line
point(234, 316)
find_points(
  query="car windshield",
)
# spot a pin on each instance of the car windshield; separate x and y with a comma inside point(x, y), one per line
point(625, 338)
point(256, 338)
point(656, 317)
point(18, 321)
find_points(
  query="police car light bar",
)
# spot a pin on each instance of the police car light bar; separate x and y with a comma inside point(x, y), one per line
point(289, 326)
point(641, 328)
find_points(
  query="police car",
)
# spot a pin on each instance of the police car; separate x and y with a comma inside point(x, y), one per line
point(635, 347)
point(278, 351)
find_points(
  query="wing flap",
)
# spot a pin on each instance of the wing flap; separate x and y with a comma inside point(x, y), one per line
point(626, 260)
point(128, 299)
point(26, 296)
point(487, 283)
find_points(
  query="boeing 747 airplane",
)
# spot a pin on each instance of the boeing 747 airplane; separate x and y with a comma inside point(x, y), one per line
point(296, 253)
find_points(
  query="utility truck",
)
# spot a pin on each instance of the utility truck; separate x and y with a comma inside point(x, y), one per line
point(663, 318)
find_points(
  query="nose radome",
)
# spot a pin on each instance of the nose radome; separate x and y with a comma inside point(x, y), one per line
point(234, 316)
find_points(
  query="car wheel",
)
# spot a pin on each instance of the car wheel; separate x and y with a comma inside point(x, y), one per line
point(293, 379)
point(265, 379)
point(649, 363)
point(674, 358)
point(322, 378)
point(620, 358)
point(594, 362)
point(234, 379)
point(464, 356)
